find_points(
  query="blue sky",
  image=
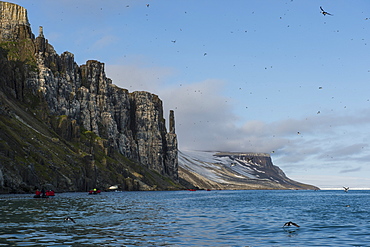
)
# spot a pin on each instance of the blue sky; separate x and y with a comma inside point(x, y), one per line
point(255, 76)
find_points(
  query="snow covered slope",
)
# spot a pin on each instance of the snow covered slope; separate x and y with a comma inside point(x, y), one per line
point(230, 170)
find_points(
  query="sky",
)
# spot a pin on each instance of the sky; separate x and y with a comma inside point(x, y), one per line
point(272, 76)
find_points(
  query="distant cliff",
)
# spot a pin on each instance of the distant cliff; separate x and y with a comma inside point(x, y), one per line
point(68, 127)
point(231, 170)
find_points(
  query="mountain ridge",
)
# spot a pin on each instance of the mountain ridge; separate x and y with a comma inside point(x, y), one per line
point(234, 170)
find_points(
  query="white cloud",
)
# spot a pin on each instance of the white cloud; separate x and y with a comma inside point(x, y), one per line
point(103, 42)
point(205, 119)
point(334, 181)
point(137, 77)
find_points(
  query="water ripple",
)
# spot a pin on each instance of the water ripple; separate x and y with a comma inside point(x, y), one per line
point(182, 218)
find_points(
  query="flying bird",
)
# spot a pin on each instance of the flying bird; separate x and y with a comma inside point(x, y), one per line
point(290, 224)
point(324, 12)
point(346, 189)
point(69, 219)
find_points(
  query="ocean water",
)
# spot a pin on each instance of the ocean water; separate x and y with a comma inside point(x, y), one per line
point(188, 218)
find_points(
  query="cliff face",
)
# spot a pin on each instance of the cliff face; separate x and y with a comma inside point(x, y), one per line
point(14, 22)
point(230, 170)
point(79, 108)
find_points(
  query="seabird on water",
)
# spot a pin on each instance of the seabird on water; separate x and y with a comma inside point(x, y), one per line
point(70, 219)
point(290, 224)
point(346, 189)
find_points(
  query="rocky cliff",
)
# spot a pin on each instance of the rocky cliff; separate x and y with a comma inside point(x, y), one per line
point(231, 170)
point(68, 126)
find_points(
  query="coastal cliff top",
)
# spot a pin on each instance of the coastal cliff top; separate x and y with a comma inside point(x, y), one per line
point(10, 12)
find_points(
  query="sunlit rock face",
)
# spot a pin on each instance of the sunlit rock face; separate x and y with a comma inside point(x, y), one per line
point(132, 123)
point(82, 106)
point(230, 170)
point(13, 22)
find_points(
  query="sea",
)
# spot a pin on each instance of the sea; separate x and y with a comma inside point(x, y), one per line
point(188, 218)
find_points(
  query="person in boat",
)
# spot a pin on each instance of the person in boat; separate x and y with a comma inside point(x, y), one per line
point(43, 194)
point(50, 193)
point(94, 191)
point(40, 194)
point(37, 193)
